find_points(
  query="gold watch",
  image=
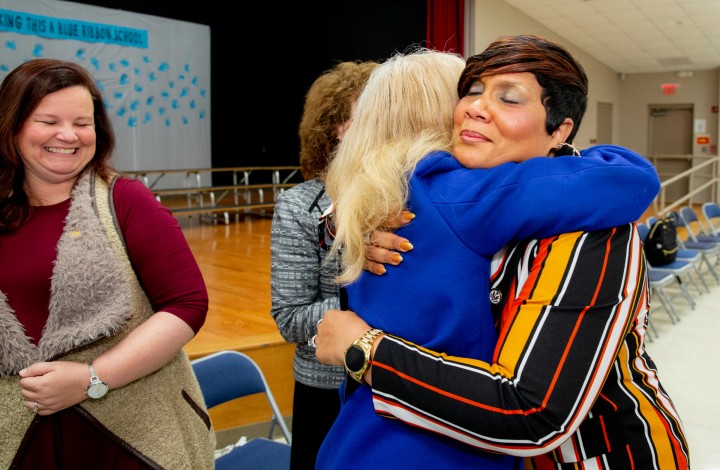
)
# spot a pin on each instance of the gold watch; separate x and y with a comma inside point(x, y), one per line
point(357, 356)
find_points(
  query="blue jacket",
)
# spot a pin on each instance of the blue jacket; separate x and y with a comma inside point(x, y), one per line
point(438, 298)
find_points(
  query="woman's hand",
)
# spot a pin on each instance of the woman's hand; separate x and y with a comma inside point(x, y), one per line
point(335, 333)
point(58, 385)
point(54, 386)
point(385, 246)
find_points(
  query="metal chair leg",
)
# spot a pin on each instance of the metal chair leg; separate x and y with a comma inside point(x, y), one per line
point(667, 304)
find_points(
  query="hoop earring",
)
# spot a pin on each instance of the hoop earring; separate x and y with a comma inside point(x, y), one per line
point(575, 151)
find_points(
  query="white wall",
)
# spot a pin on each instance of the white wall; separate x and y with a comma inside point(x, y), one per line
point(157, 91)
point(638, 91)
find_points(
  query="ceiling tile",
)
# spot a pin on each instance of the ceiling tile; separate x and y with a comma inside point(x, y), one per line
point(635, 36)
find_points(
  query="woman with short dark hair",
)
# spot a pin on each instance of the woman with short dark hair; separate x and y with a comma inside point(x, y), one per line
point(567, 380)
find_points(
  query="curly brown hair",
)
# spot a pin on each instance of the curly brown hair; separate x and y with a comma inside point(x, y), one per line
point(328, 105)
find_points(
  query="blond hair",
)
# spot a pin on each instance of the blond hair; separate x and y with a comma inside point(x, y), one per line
point(404, 112)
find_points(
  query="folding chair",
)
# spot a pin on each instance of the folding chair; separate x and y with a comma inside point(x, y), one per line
point(711, 214)
point(695, 228)
point(705, 248)
point(228, 375)
point(679, 268)
point(686, 254)
point(657, 282)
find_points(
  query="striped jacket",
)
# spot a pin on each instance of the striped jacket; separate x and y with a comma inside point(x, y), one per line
point(571, 384)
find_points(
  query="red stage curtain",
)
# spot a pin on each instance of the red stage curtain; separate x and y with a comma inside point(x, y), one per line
point(446, 25)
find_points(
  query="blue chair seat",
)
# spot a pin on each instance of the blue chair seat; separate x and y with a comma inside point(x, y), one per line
point(230, 375)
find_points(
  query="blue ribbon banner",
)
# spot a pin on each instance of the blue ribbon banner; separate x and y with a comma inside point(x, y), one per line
point(57, 28)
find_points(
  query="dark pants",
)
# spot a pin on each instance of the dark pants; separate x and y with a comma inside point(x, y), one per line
point(314, 411)
point(67, 439)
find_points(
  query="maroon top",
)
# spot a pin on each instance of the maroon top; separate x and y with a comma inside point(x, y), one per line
point(169, 275)
point(158, 252)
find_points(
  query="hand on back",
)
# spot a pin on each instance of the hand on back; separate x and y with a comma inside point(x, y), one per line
point(385, 246)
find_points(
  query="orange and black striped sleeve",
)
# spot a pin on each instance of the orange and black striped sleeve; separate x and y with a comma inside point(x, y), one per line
point(572, 313)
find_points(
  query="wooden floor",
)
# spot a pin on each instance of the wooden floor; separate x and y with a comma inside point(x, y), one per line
point(235, 261)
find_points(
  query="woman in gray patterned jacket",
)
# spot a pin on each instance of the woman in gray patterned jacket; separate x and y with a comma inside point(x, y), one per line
point(303, 287)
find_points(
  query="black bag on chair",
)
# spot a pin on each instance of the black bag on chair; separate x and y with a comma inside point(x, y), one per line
point(661, 245)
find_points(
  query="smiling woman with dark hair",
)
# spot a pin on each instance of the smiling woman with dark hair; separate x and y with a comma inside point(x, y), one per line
point(99, 292)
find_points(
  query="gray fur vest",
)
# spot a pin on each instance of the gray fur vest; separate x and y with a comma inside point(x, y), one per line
point(96, 300)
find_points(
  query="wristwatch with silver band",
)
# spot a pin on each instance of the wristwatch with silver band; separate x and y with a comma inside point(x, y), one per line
point(97, 388)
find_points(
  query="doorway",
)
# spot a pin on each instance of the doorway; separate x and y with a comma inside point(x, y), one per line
point(604, 123)
point(670, 135)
